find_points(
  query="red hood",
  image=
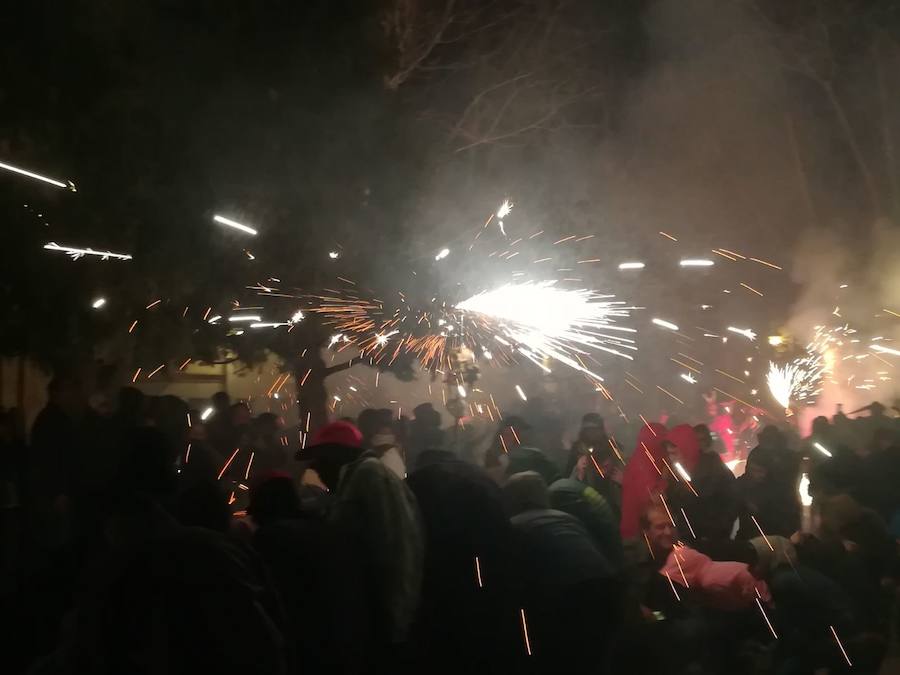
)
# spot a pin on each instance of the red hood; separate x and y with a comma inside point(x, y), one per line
point(651, 437)
point(684, 438)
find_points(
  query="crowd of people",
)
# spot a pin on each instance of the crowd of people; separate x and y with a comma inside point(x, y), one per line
point(147, 539)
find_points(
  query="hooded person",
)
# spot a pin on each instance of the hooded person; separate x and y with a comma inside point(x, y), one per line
point(561, 579)
point(644, 477)
point(378, 515)
point(703, 500)
point(465, 580)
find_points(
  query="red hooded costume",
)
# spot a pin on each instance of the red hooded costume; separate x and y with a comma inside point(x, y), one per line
point(684, 438)
point(644, 477)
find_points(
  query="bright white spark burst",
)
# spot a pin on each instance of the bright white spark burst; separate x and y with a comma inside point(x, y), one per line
point(233, 223)
point(687, 377)
point(746, 332)
point(549, 322)
point(58, 183)
point(797, 381)
point(77, 253)
point(664, 324)
point(504, 209)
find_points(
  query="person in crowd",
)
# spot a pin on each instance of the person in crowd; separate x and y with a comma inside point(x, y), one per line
point(591, 508)
point(425, 432)
point(703, 501)
point(592, 461)
point(312, 569)
point(465, 577)
point(562, 581)
point(880, 474)
point(644, 478)
point(220, 431)
point(809, 609)
point(379, 516)
point(266, 442)
point(385, 445)
point(768, 489)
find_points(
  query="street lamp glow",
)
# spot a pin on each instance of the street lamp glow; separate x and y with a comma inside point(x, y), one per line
point(98, 303)
point(58, 183)
point(232, 223)
point(696, 262)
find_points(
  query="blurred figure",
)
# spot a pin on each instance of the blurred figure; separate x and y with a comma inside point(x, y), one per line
point(768, 489)
point(377, 514)
point(643, 478)
point(465, 576)
point(312, 570)
point(563, 582)
point(269, 452)
point(425, 432)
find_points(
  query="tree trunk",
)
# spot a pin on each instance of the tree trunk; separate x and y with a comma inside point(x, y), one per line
point(310, 372)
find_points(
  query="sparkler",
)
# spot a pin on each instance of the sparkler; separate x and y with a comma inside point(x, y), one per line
point(233, 223)
point(77, 253)
point(58, 183)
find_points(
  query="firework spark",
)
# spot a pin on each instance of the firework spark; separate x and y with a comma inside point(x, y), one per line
point(77, 253)
point(798, 381)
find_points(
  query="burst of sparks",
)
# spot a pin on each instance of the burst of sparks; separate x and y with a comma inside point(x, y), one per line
point(547, 322)
point(77, 253)
point(234, 224)
point(687, 377)
point(504, 209)
point(797, 381)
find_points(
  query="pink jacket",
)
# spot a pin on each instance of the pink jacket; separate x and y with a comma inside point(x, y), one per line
point(722, 585)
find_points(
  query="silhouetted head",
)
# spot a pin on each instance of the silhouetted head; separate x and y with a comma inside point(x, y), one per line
point(274, 498)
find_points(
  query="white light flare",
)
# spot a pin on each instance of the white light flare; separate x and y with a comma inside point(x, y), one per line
point(664, 324)
point(682, 472)
point(805, 498)
point(244, 317)
point(334, 255)
point(552, 322)
point(821, 448)
point(631, 266)
point(269, 324)
point(504, 209)
point(884, 350)
point(443, 253)
point(687, 377)
point(206, 414)
point(98, 303)
point(696, 262)
point(746, 332)
point(52, 181)
point(77, 253)
point(234, 224)
point(297, 316)
point(521, 393)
